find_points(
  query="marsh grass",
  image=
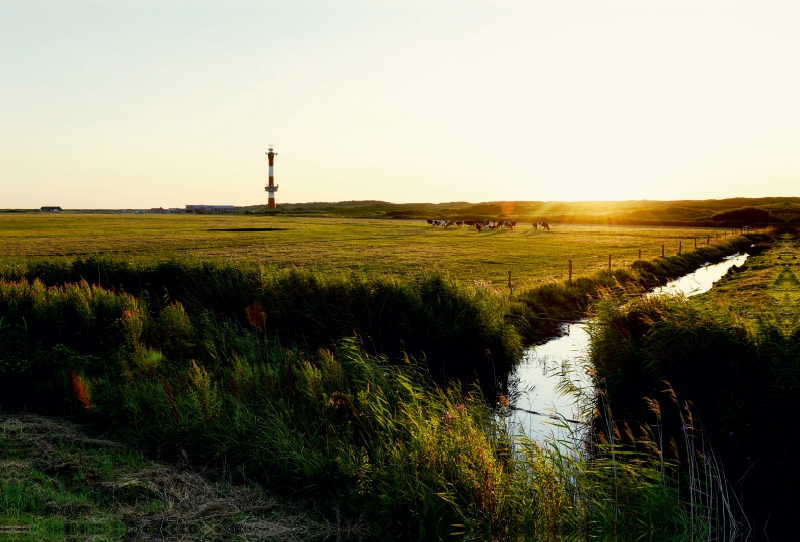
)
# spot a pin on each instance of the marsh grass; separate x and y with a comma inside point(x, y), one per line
point(737, 376)
point(459, 330)
point(359, 435)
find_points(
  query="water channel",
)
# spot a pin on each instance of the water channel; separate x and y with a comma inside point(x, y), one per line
point(540, 409)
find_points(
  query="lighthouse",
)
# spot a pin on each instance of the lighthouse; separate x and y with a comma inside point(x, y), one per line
point(271, 187)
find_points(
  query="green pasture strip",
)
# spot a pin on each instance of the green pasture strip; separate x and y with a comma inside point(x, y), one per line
point(396, 247)
point(732, 360)
point(767, 285)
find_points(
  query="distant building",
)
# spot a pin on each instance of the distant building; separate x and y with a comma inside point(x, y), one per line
point(210, 208)
point(51, 209)
point(157, 210)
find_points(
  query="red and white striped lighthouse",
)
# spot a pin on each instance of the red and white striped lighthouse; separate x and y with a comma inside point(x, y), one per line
point(271, 187)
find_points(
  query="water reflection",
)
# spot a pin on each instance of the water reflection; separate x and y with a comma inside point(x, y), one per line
point(535, 382)
point(701, 280)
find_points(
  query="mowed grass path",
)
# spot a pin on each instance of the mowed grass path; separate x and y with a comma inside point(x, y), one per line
point(330, 244)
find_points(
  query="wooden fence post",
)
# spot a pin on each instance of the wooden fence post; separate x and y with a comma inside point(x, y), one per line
point(640, 254)
point(510, 286)
point(570, 271)
point(680, 247)
point(695, 243)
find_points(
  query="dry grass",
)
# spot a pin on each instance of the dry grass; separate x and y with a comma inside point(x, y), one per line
point(101, 483)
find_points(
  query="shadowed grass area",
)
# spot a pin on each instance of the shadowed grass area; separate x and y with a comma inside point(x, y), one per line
point(731, 355)
point(459, 330)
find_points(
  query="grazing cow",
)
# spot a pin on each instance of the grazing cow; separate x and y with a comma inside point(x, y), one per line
point(544, 226)
point(535, 226)
point(478, 226)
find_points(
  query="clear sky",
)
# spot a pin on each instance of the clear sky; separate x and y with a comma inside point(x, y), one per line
point(116, 104)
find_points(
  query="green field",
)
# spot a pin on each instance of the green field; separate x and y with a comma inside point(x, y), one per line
point(400, 247)
point(767, 285)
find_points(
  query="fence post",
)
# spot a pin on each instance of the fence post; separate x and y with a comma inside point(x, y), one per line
point(609, 263)
point(680, 247)
point(510, 286)
point(695, 243)
point(640, 254)
point(570, 271)
point(708, 239)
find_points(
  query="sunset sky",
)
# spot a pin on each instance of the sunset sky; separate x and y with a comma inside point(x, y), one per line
point(114, 104)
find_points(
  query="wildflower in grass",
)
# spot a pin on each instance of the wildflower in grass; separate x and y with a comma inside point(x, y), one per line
point(256, 316)
point(204, 391)
point(82, 390)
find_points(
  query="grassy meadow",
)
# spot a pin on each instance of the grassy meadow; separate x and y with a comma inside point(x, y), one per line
point(397, 247)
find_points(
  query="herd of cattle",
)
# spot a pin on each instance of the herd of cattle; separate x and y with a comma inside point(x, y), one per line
point(485, 224)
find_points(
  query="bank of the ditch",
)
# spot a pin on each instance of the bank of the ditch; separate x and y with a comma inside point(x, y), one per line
point(733, 363)
point(540, 311)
